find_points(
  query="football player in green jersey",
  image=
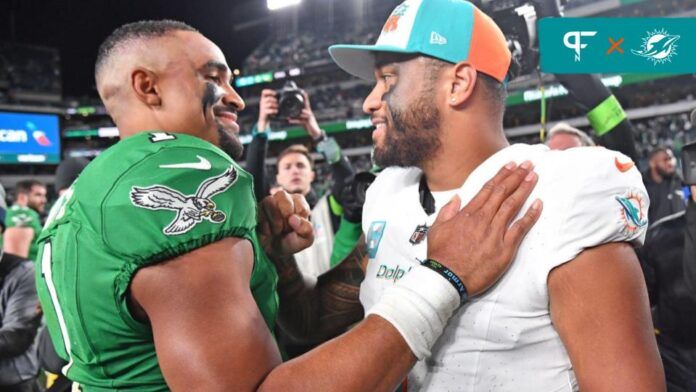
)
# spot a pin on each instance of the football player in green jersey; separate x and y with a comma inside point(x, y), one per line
point(22, 220)
point(154, 271)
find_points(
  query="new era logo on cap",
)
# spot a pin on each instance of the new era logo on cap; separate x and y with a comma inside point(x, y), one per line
point(437, 39)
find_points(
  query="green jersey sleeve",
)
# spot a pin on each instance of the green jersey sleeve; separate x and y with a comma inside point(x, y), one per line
point(22, 217)
point(174, 201)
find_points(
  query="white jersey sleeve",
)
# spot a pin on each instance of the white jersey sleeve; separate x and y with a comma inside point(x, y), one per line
point(607, 202)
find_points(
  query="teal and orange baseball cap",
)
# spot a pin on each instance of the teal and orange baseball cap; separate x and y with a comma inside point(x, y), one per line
point(449, 30)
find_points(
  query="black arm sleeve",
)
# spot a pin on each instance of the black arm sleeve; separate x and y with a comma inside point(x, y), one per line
point(589, 91)
point(256, 165)
point(46, 352)
point(20, 317)
point(647, 264)
point(341, 171)
point(690, 249)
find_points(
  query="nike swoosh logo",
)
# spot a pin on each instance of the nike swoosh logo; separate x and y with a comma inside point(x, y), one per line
point(623, 167)
point(202, 164)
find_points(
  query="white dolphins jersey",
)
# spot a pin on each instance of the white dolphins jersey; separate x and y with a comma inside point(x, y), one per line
point(504, 340)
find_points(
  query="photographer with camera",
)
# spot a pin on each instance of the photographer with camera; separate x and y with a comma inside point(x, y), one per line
point(296, 169)
point(668, 259)
point(335, 230)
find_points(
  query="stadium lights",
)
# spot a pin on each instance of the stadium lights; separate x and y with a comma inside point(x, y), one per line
point(274, 5)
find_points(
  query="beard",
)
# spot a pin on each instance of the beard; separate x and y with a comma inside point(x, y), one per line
point(230, 144)
point(36, 207)
point(665, 173)
point(414, 136)
point(227, 141)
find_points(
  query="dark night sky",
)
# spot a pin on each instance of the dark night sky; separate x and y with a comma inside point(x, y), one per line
point(77, 28)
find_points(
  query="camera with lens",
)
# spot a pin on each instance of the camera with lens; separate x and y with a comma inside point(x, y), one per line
point(291, 101)
point(353, 195)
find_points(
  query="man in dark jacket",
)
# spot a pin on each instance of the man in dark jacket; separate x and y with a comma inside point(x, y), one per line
point(663, 184)
point(669, 263)
point(19, 320)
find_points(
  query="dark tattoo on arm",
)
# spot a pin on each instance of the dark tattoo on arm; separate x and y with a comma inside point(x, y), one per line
point(315, 314)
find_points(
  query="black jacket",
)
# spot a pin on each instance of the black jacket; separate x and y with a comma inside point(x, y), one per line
point(662, 259)
point(666, 198)
point(19, 320)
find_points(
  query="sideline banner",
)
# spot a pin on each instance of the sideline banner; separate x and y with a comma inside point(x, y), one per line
point(626, 45)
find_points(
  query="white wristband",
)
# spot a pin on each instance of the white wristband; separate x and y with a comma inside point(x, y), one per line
point(419, 306)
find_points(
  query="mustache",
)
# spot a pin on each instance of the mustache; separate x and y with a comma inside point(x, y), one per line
point(219, 109)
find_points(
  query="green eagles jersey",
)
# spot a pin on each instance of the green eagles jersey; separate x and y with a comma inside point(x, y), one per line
point(149, 198)
point(18, 216)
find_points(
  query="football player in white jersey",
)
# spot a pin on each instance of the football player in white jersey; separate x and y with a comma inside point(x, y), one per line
point(571, 312)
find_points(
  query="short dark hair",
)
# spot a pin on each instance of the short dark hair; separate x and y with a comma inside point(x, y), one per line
point(24, 187)
point(658, 150)
point(496, 92)
point(296, 149)
point(133, 31)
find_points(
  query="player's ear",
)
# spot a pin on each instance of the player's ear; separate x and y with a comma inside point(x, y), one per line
point(144, 85)
point(462, 83)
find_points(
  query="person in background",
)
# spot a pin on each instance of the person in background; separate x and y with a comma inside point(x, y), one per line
point(563, 136)
point(295, 175)
point(3, 211)
point(67, 172)
point(23, 221)
point(19, 320)
point(668, 259)
point(664, 184)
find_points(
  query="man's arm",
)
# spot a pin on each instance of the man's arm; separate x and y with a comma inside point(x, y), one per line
point(210, 335)
point(599, 307)
point(258, 149)
point(341, 169)
point(17, 240)
point(318, 313)
point(256, 164)
point(20, 317)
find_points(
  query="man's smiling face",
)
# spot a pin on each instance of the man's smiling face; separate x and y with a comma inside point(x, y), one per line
point(403, 111)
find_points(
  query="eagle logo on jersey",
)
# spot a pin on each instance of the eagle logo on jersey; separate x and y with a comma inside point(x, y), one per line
point(633, 211)
point(190, 210)
point(21, 220)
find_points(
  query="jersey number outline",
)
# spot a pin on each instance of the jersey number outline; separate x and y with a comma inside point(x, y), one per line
point(47, 274)
point(156, 137)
